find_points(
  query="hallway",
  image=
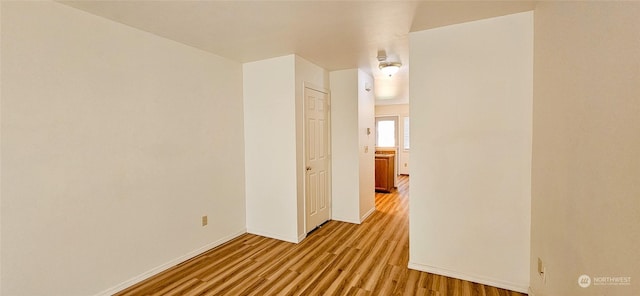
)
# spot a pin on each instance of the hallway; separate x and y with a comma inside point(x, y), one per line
point(337, 259)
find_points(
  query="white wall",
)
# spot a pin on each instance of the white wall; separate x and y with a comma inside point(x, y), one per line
point(345, 146)
point(366, 147)
point(274, 151)
point(114, 143)
point(352, 149)
point(471, 90)
point(586, 127)
point(270, 147)
point(401, 111)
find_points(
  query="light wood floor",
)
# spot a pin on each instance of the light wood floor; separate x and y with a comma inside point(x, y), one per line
point(337, 259)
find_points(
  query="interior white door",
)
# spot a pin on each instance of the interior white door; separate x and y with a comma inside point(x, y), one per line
point(317, 162)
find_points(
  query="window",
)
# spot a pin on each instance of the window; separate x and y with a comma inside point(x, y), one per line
point(406, 133)
point(386, 130)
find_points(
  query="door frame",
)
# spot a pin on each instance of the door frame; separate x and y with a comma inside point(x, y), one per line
point(396, 118)
point(302, 168)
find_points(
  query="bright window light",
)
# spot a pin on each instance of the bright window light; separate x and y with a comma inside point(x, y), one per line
point(386, 130)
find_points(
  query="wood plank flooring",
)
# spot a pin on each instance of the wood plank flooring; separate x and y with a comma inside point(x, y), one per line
point(337, 259)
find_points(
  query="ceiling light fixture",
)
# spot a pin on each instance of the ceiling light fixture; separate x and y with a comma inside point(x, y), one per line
point(387, 68)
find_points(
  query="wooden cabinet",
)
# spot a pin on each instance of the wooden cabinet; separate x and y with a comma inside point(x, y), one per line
point(385, 172)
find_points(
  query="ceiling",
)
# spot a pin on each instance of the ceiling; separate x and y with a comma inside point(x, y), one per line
point(332, 34)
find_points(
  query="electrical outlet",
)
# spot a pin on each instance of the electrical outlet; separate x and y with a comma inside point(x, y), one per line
point(204, 221)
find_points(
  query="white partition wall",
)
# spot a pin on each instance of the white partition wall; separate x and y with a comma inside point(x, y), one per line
point(352, 147)
point(270, 147)
point(471, 102)
point(345, 145)
point(367, 142)
point(274, 163)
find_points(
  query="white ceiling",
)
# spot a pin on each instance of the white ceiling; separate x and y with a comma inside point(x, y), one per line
point(332, 34)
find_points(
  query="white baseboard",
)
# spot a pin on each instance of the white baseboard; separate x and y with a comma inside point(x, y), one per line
point(293, 239)
point(367, 214)
point(471, 278)
point(345, 220)
point(355, 221)
point(301, 237)
point(172, 263)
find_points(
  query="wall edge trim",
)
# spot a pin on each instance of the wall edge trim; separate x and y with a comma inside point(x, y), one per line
point(367, 214)
point(293, 239)
point(353, 221)
point(472, 278)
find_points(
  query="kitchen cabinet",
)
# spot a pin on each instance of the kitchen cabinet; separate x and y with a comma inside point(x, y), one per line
point(385, 172)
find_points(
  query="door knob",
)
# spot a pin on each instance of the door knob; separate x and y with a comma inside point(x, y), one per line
point(308, 168)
